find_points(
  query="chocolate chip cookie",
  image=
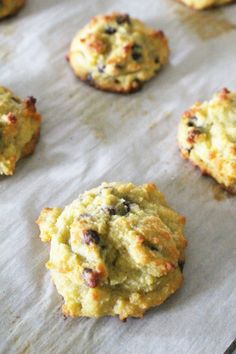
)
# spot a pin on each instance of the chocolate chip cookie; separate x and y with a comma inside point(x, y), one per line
point(117, 53)
point(19, 129)
point(207, 137)
point(116, 250)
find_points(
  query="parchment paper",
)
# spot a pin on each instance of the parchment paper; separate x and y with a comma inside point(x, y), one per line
point(89, 137)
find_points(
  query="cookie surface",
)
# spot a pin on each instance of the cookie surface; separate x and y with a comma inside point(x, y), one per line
point(117, 53)
point(116, 250)
point(19, 129)
point(207, 137)
point(10, 7)
point(204, 4)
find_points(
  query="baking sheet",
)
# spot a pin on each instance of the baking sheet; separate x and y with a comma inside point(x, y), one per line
point(89, 137)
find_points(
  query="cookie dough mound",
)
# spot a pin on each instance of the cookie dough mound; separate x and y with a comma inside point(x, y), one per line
point(207, 137)
point(204, 4)
point(117, 53)
point(19, 129)
point(10, 7)
point(116, 250)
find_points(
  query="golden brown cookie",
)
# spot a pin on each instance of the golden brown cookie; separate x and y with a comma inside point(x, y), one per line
point(19, 129)
point(205, 4)
point(207, 137)
point(117, 53)
point(116, 250)
point(10, 7)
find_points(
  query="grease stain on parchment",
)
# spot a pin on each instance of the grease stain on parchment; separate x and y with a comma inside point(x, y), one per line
point(153, 126)
point(96, 128)
point(128, 111)
point(100, 117)
point(97, 124)
point(25, 349)
point(8, 30)
point(207, 24)
point(166, 116)
point(4, 52)
point(219, 193)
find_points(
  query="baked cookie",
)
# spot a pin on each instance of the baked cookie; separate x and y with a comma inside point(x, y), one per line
point(10, 7)
point(205, 4)
point(19, 129)
point(207, 137)
point(116, 250)
point(117, 53)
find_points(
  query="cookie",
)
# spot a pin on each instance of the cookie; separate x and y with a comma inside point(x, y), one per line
point(10, 7)
point(116, 250)
point(19, 129)
point(207, 137)
point(117, 53)
point(205, 4)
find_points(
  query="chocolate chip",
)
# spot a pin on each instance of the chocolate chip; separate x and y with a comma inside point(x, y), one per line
point(89, 77)
point(191, 122)
point(91, 236)
point(101, 68)
point(157, 60)
point(136, 56)
point(111, 211)
point(150, 246)
point(153, 248)
point(127, 206)
point(181, 265)
point(136, 52)
point(110, 30)
point(189, 150)
point(31, 100)
point(123, 208)
point(90, 277)
point(30, 103)
point(120, 19)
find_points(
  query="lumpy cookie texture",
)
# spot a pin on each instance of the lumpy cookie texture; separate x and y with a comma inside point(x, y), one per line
point(207, 137)
point(205, 4)
point(10, 7)
point(117, 53)
point(19, 129)
point(116, 250)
